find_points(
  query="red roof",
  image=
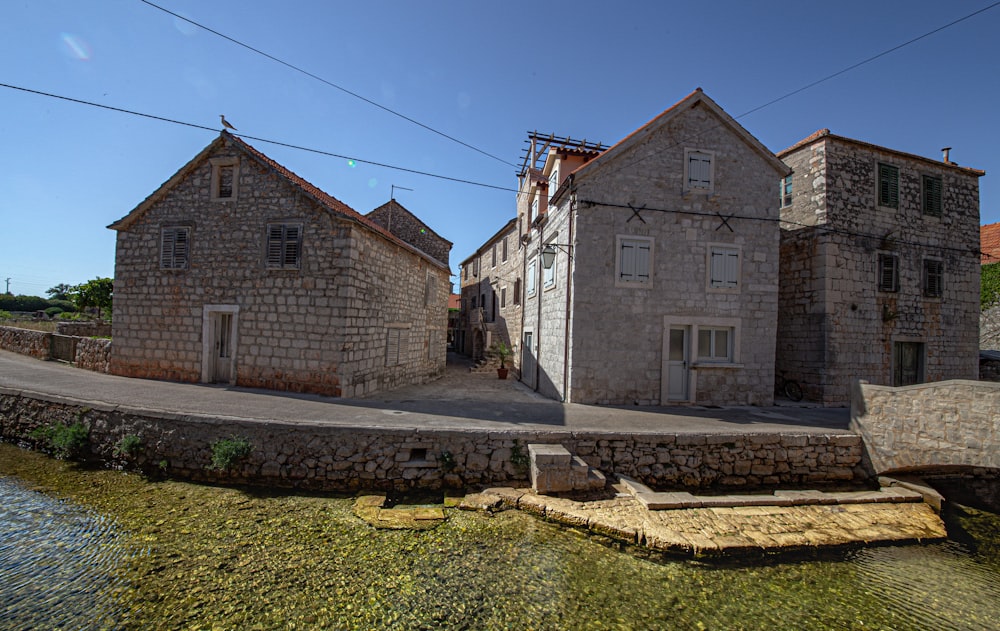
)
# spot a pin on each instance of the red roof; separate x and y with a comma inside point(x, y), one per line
point(989, 243)
point(454, 301)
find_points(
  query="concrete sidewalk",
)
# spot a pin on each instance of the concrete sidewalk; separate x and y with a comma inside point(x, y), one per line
point(458, 400)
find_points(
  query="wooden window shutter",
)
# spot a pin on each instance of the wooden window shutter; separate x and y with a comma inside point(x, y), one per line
point(933, 278)
point(292, 246)
point(888, 276)
point(888, 185)
point(932, 195)
point(699, 170)
point(174, 248)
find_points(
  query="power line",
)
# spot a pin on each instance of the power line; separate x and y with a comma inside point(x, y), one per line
point(257, 138)
point(329, 83)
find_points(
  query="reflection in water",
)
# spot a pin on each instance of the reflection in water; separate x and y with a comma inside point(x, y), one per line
point(236, 559)
point(57, 562)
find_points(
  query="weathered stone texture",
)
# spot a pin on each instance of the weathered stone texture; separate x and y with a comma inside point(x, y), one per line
point(37, 344)
point(322, 328)
point(354, 458)
point(834, 325)
point(93, 354)
point(617, 348)
point(953, 423)
point(402, 223)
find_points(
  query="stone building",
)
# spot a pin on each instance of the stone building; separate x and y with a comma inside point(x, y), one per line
point(651, 267)
point(880, 267)
point(490, 281)
point(238, 271)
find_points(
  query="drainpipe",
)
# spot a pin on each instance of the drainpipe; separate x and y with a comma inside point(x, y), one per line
point(571, 250)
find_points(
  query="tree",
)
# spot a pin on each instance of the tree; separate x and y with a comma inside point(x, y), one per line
point(97, 294)
point(989, 288)
point(60, 292)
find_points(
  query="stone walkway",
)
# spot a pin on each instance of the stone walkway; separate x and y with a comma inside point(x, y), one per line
point(762, 524)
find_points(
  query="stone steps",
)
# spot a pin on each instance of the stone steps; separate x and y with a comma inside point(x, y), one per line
point(674, 500)
point(555, 470)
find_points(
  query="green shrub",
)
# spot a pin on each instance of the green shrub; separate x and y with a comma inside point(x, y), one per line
point(129, 445)
point(4, 315)
point(53, 311)
point(989, 287)
point(227, 452)
point(519, 456)
point(64, 441)
point(23, 303)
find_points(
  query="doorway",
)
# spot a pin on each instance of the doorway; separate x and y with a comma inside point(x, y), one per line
point(219, 328)
point(678, 363)
point(908, 363)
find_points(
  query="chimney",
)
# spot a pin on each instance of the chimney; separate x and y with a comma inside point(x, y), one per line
point(946, 151)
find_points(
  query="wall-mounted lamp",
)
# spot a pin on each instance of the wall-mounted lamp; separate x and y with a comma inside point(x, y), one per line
point(549, 254)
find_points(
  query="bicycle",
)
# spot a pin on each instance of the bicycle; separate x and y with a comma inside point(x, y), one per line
point(787, 387)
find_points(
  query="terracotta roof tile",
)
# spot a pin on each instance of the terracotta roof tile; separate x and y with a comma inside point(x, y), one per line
point(989, 243)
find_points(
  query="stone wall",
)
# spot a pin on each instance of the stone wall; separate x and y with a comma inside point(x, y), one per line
point(84, 329)
point(619, 332)
point(93, 354)
point(37, 344)
point(351, 458)
point(323, 327)
point(952, 423)
point(836, 325)
point(405, 225)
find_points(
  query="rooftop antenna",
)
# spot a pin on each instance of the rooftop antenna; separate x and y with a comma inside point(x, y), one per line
point(392, 190)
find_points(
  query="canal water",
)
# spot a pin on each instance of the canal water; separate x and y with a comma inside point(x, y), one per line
point(102, 549)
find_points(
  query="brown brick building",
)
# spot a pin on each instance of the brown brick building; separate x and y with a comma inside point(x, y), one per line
point(238, 271)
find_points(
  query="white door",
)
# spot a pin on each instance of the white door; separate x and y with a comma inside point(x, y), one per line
point(678, 366)
point(219, 343)
point(528, 360)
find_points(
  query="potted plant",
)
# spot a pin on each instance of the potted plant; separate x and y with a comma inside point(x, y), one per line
point(501, 350)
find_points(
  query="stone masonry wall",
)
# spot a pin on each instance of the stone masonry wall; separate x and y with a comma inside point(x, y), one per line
point(951, 423)
point(93, 354)
point(350, 458)
point(37, 344)
point(402, 223)
point(836, 325)
point(84, 329)
point(322, 328)
point(618, 332)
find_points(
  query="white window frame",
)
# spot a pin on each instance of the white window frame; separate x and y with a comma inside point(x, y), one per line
point(217, 165)
point(725, 283)
point(533, 210)
point(175, 253)
point(634, 280)
point(553, 182)
point(549, 275)
point(711, 355)
point(531, 278)
point(700, 186)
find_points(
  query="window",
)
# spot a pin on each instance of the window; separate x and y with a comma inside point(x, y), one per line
point(225, 178)
point(174, 247)
point(395, 345)
point(532, 274)
point(465, 272)
point(785, 193)
point(503, 297)
point(503, 253)
point(724, 267)
point(634, 260)
point(533, 212)
point(888, 272)
point(933, 278)
point(429, 288)
point(888, 185)
point(931, 195)
point(698, 170)
point(549, 274)
point(494, 255)
point(284, 245)
point(553, 182)
point(715, 344)
point(517, 291)
point(473, 302)
point(475, 268)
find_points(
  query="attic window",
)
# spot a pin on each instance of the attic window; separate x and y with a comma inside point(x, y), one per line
point(699, 171)
point(225, 179)
point(284, 245)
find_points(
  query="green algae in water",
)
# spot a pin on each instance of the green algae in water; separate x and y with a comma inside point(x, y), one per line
point(226, 558)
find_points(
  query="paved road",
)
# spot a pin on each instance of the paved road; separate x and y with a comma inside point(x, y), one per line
point(459, 400)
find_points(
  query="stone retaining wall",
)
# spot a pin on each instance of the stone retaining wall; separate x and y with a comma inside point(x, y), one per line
point(84, 329)
point(336, 458)
point(37, 344)
point(93, 353)
point(931, 425)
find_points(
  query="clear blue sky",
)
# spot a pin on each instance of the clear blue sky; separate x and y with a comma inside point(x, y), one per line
point(482, 72)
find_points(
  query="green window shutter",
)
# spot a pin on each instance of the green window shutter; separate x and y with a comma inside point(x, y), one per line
point(932, 189)
point(888, 185)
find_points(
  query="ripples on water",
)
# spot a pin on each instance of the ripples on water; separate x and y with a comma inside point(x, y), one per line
point(58, 562)
point(225, 558)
